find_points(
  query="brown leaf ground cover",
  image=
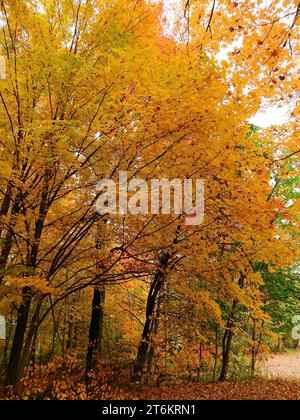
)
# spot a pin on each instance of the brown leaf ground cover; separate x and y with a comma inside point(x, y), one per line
point(281, 381)
point(243, 390)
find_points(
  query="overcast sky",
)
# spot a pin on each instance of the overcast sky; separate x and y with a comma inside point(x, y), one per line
point(273, 115)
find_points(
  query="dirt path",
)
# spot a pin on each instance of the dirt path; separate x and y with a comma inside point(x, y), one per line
point(283, 366)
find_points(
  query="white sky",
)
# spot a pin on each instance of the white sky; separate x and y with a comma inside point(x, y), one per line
point(270, 116)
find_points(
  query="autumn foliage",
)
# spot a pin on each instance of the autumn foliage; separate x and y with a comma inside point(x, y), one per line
point(161, 90)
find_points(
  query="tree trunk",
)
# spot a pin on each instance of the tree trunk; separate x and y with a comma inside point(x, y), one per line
point(216, 354)
point(71, 325)
point(95, 331)
point(279, 345)
point(9, 236)
point(200, 362)
point(228, 335)
point(155, 288)
point(226, 343)
point(6, 200)
point(70, 336)
point(253, 350)
point(226, 353)
point(17, 345)
point(32, 333)
point(32, 356)
point(151, 356)
point(101, 322)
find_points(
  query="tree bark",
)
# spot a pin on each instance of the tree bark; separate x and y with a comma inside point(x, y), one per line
point(25, 358)
point(226, 342)
point(155, 288)
point(253, 349)
point(155, 329)
point(16, 349)
point(9, 230)
point(101, 322)
point(226, 347)
point(228, 335)
point(216, 354)
point(94, 331)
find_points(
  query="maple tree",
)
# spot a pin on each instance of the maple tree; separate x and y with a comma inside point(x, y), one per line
point(160, 90)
